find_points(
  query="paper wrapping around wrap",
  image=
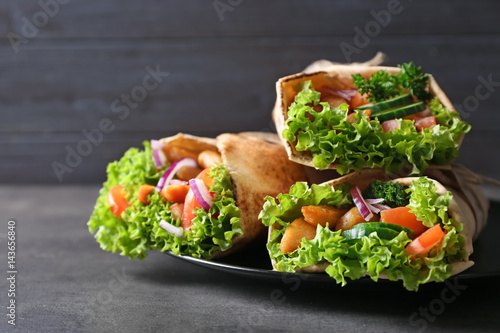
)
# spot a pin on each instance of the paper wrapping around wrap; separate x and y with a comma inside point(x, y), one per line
point(466, 185)
point(258, 166)
point(325, 65)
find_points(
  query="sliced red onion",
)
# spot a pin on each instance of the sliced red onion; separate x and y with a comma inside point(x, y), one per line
point(374, 201)
point(373, 209)
point(155, 144)
point(341, 94)
point(172, 170)
point(382, 207)
point(345, 94)
point(201, 193)
point(177, 182)
point(159, 158)
point(360, 203)
point(156, 159)
point(376, 207)
point(350, 92)
point(176, 231)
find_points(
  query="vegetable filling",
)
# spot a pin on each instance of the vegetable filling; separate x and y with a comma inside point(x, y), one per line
point(415, 242)
point(182, 202)
point(391, 121)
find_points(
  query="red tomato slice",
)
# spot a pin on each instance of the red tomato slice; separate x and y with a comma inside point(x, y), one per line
point(175, 193)
point(177, 209)
point(117, 201)
point(390, 125)
point(358, 100)
point(207, 180)
point(190, 204)
point(403, 217)
point(143, 193)
point(418, 115)
point(423, 243)
point(352, 120)
point(426, 122)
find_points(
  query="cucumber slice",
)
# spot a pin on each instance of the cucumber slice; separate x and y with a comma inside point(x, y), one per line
point(392, 226)
point(358, 233)
point(383, 230)
point(400, 112)
point(151, 180)
point(392, 103)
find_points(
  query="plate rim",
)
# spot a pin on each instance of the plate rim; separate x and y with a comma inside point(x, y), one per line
point(315, 277)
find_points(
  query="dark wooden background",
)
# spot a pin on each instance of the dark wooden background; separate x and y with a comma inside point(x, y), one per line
point(86, 54)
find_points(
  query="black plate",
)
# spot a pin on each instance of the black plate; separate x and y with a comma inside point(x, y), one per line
point(254, 260)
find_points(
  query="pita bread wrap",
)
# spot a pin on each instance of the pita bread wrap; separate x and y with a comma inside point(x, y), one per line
point(259, 167)
point(329, 252)
point(250, 166)
point(321, 144)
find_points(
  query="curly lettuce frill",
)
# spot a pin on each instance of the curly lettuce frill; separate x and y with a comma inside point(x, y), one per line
point(138, 230)
point(330, 138)
point(369, 256)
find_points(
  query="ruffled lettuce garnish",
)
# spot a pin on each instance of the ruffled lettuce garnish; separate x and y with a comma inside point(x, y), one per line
point(138, 230)
point(329, 137)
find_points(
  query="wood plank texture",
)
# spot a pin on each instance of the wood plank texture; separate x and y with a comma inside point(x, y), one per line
point(77, 69)
point(283, 18)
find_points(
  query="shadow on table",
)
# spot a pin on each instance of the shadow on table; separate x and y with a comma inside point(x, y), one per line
point(467, 301)
point(457, 303)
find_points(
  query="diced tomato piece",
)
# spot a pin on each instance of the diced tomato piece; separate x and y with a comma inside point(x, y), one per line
point(403, 217)
point(187, 215)
point(358, 100)
point(426, 241)
point(426, 122)
point(177, 209)
point(143, 193)
point(175, 193)
point(390, 125)
point(422, 114)
point(207, 180)
point(117, 201)
point(352, 120)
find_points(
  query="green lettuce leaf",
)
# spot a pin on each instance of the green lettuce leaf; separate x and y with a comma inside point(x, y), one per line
point(370, 256)
point(115, 234)
point(138, 230)
point(212, 230)
point(330, 138)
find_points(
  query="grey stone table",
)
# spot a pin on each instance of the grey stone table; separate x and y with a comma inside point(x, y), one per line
point(65, 282)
